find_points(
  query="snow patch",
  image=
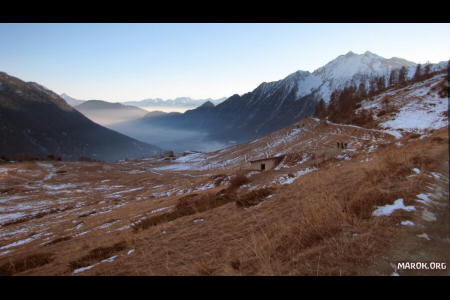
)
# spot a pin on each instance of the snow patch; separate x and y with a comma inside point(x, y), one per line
point(424, 236)
point(420, 115)
point(428, 216)
point(18, 243)
point(79, 270)
point(407, 223)
point(386, 210)
point(288, 180)
point(424, 198)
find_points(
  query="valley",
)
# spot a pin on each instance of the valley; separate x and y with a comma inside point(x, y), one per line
point(323, 210)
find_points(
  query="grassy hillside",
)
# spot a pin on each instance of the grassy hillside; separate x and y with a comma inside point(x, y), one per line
point(321, 211)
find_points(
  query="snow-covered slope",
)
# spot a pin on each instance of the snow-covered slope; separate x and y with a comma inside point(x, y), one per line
point(275, 105)
point(418, 107)
point(346, 66)
point(352, 69)
point(345, 70)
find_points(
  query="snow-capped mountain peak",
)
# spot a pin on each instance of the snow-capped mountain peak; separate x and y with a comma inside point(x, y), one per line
point(348, 69)
point(350, 64)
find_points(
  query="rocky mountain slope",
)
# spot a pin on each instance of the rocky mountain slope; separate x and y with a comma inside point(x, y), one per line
point(274, 105)
point(34, 121)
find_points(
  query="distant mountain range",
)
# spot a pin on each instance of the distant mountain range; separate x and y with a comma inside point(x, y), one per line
point(274, 105)
point(180, 102)
point(177, 102)
point(71, 101)
point(35, 121)
point(107, 113)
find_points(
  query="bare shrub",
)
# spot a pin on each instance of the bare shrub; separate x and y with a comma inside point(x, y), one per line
point(58, 240)
point(23, 264)
point(413, 136)
point(97, 254)
point(439, 140)
point(253, 197)
point(237, 181)
point(364, 118)
point(387, 110)
point(441, 88)
point(363, 205)
point(188, 205)
point(153, 221)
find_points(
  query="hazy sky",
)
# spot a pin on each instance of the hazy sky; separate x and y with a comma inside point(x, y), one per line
point(123, 62)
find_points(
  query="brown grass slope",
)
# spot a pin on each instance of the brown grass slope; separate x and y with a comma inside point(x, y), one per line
point(215, 217)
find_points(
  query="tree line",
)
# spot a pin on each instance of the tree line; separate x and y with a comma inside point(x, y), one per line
point(343, 102)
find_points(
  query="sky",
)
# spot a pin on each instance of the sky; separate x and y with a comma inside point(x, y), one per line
point(130, 62)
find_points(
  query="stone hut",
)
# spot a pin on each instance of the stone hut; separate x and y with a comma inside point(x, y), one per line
point(265, 163)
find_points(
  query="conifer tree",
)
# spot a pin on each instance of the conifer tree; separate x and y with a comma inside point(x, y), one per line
point(380, 84)
point(393, 78)
point(427, 71)
point(402, 76)
point(362, 93)
point(320, 109)
point(373, 86)
point(418, 74)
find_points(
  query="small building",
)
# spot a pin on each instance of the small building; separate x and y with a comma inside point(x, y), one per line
point(265, 163)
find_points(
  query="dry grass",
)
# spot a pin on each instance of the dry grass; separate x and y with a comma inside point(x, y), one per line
point(319, 158)
point(253, 197)
point(439, 140)
point(97, 254)
point(58, 240)
point(334, 232)
point(321, 224)
point(23, 264)
point(188, 205)
point(196, 203)
point(38, 215)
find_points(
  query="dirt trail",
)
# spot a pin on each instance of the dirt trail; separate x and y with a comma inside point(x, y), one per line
point(428, 240)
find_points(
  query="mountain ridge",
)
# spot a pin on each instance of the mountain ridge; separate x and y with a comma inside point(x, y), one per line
point(106, 113)
point(35, 121)
point(274, 105)
point(177, 102)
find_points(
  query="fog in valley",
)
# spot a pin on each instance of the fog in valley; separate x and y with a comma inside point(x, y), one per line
point(170, 139)
point(167, 109)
